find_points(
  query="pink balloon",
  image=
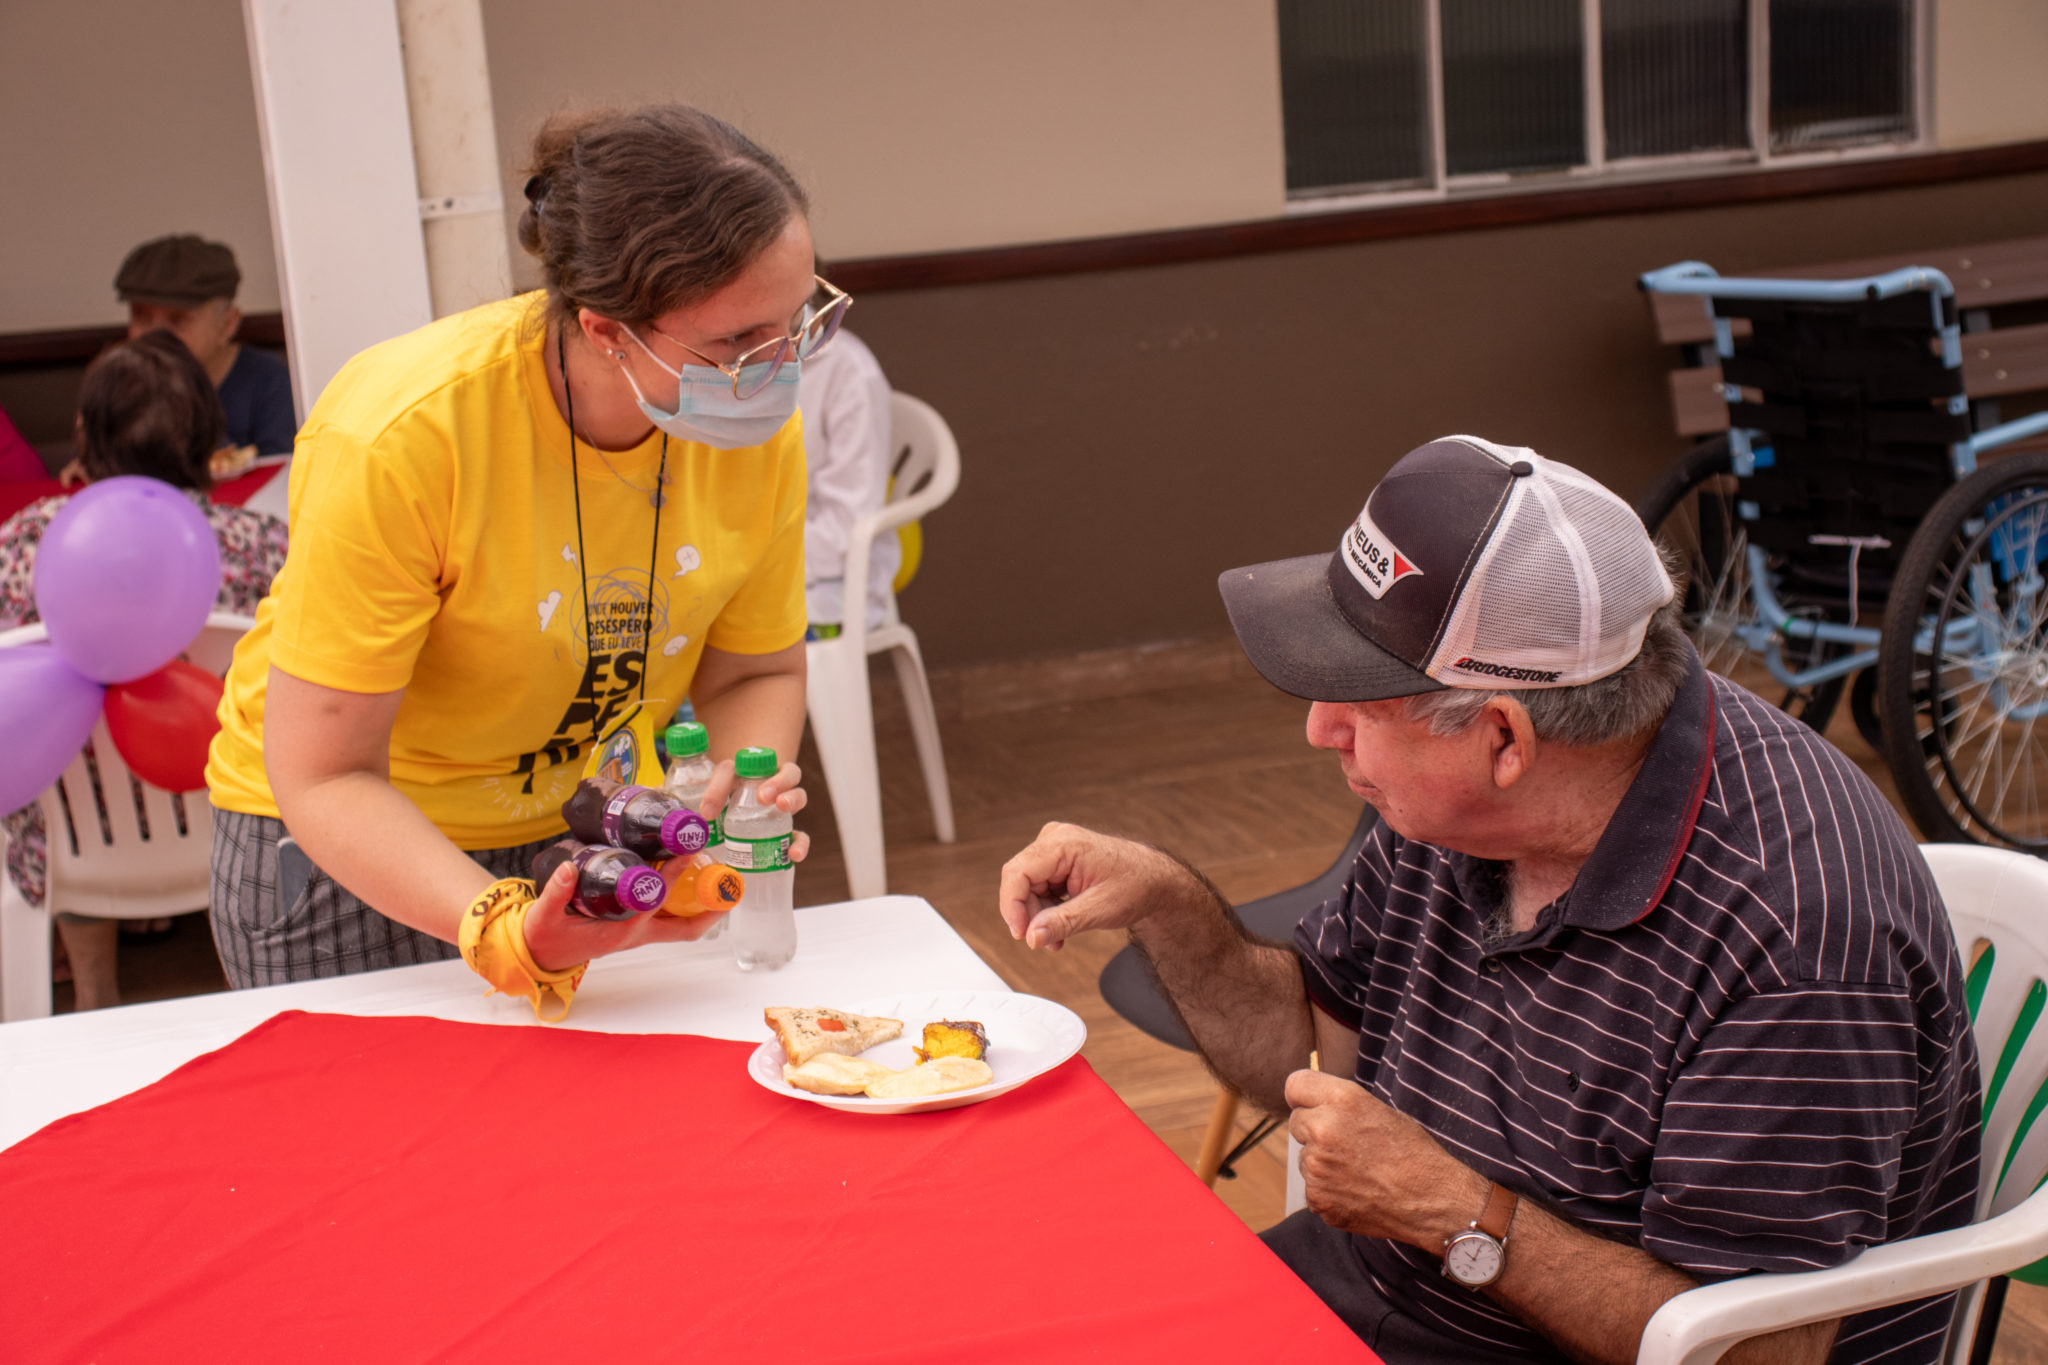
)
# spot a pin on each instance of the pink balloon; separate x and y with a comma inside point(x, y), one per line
point(125, 576)
point(47, 711)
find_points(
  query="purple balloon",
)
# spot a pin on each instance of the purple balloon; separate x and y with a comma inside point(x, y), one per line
point(47, 711)
point(125, 577)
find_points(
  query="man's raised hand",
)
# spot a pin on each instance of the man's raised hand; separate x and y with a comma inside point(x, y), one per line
point(1070, 879)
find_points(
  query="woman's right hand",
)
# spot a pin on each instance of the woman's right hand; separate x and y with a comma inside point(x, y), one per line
point(558, 939)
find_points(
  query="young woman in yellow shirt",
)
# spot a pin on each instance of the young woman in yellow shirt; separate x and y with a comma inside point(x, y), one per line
point(506, 528)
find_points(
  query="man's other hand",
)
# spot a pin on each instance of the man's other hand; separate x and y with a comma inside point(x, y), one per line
point(1071, 879)
point(1368, 1169)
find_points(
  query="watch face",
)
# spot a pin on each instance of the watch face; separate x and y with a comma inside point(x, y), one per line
point(1473, 1259)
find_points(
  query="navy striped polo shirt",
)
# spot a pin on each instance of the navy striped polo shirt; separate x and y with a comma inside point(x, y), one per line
point(1738, 1041)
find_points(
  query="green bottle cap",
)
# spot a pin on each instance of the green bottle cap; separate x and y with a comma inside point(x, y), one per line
point(755, 763)
point(686, 737)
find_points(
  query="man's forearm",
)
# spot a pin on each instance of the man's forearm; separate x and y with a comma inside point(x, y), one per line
point(1594, 1297)
point(1242, 1001)
point(1371, 1170)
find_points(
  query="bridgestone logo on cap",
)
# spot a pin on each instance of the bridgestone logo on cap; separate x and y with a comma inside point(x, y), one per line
point(1372, 558)
point(1542, 675)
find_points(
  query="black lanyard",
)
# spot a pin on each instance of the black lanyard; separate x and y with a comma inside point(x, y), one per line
point(583, 562)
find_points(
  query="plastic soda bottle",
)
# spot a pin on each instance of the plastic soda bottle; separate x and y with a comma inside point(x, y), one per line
point(699, 883)
point(610, 882)
point(641, 820)
point(757, 836)
point(690, 768)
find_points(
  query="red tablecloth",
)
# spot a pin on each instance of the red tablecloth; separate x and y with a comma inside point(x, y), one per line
point(234, 492)
point(391, 1190)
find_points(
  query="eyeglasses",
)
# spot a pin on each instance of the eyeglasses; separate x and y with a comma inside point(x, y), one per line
point(820, 323)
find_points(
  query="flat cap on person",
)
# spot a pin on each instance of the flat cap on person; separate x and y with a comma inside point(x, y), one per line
point(180, 271)
point(1472, 565)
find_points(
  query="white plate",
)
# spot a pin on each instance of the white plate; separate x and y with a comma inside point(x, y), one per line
point(1027, 1037)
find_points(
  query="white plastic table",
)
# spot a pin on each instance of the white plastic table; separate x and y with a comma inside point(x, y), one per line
point(846, 953)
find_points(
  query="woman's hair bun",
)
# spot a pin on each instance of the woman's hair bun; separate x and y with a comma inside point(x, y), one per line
point(633, 213)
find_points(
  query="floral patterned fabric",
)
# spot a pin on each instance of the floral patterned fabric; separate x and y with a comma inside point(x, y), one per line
point(252, 547)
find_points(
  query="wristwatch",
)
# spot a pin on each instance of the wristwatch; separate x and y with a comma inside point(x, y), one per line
point(1476, 1257)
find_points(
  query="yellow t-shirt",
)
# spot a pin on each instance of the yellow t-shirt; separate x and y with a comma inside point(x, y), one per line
point(434, 549)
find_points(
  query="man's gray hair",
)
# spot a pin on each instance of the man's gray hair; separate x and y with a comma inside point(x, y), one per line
point(1622, 705)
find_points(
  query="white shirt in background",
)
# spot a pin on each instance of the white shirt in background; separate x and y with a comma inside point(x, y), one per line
point(845, 402)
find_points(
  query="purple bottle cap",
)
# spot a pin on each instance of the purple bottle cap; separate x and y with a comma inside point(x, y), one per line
point(642, 889)
point(684, 832)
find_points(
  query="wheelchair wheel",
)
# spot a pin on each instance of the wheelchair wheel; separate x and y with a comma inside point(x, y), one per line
point(1863, 706)
point(1963, 665)
point(1691, 511)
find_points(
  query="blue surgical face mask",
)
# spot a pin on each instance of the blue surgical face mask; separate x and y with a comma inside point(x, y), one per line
point(706, 410)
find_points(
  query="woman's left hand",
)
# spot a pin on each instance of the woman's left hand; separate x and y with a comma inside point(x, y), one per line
point(783, 789)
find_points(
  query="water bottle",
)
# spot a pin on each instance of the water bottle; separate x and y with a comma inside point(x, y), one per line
point(611, 883)
point(690, 768)
point(757, 839)
point(641, 820)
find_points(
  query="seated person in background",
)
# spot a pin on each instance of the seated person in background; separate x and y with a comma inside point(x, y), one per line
point(845, 403)
point(19, 462)
point(1636, 984)
point(146, 407)
point(187, 285)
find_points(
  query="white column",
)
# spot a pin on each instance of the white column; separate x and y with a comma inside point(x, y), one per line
point(344, 203)
point(455, 148)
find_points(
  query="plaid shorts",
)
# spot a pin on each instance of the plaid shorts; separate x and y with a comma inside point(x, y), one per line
point(325, 931)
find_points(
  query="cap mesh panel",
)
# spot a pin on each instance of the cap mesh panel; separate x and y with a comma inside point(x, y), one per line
point(1522, 606)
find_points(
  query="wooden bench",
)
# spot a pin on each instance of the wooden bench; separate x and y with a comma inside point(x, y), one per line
point(2001, 299)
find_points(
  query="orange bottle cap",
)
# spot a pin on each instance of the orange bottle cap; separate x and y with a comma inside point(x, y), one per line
point(719, 887)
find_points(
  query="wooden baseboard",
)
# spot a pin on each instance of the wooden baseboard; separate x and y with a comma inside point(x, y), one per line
point(975, 690)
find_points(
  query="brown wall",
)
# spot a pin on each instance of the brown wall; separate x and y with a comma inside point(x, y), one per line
point(1127, 436)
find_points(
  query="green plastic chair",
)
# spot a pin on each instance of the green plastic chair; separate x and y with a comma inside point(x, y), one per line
point(1998, 903)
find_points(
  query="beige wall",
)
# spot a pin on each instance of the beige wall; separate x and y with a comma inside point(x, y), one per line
point(1990, 69)
point(921, 125)
point(918, 125)
point(125, 120)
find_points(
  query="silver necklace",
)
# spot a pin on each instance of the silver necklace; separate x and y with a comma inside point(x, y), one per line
point(654, 494)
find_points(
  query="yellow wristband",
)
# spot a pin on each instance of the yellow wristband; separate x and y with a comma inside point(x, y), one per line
point(493, 943)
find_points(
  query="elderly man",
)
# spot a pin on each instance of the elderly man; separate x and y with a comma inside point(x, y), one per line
point(1638, 984)
point(187, 285)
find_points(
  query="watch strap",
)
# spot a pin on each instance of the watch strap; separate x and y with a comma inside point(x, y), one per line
point(1499, 1212)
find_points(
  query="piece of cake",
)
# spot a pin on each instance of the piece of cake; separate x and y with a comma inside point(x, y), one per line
point(953, 1038)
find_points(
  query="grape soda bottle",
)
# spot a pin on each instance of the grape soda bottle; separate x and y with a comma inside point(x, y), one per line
point(641, 820)
point(611, 884)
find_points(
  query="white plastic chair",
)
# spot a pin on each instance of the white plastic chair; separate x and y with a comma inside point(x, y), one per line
point(927, 470)
point(130, 876)
point(1997, 897)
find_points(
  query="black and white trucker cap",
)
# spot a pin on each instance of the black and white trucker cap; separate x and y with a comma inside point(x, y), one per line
point(1472, 565)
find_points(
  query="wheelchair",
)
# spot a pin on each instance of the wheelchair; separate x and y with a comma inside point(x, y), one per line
point(1843, 536)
